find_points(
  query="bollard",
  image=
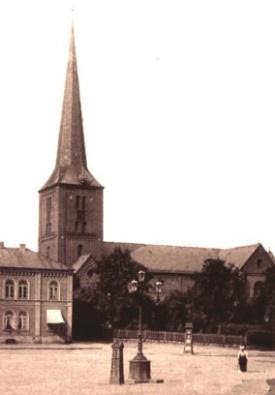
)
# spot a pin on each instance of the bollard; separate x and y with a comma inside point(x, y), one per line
point(117, 374)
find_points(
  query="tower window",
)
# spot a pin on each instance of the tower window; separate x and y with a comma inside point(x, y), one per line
point(48, 228)
point(48, 215)
point(76, 227)
point(48, 250)
point(80, 224)
point(77, 202)
point(49, 203)
point(79, 250)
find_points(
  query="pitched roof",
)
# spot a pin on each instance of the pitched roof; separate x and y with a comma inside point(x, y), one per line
point(238, 256)
point(23, 258)
point(181, 259)
point(109, 247)
point(80, 262)
point(71, 165)
point(173, 259)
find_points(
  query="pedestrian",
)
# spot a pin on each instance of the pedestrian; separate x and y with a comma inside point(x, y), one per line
point(242, 359)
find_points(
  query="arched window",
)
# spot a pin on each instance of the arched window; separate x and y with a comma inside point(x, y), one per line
point(48, 250)
point(9, 289)
point(258, 289)
point(53, 290)
point(9, 320)
point(79, 250)
point(23, 321)
point(23, 289)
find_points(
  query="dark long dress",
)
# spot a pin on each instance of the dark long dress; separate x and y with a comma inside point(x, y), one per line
point(243, 362)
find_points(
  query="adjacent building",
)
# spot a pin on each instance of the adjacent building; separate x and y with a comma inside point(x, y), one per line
point(35, 297)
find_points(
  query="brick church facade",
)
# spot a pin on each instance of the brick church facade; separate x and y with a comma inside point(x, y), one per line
point(36, 292)
point(71, 216)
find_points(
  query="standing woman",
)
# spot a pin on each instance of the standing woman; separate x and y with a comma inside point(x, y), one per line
point(242, 359)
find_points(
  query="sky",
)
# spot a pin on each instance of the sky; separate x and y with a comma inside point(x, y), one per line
point(178, 101)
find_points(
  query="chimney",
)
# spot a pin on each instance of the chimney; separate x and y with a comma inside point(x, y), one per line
point(2, 245)
point(22, 246)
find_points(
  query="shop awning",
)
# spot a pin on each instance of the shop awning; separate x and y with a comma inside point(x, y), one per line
point(54, 317)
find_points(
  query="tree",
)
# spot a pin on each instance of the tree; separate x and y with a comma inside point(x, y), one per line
point(219, 294)
point(265, 298)
point(109, 303)
point(115, 272)
point(173, 312)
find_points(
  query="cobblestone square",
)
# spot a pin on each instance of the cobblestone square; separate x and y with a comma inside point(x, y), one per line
point(85, 369)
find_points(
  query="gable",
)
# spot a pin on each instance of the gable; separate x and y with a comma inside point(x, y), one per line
point(85, 270)
point(258, 262)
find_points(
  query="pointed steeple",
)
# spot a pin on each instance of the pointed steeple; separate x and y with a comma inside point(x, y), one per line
point(71, 165)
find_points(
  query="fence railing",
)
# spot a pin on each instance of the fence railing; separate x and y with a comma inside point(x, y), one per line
point(179, 337)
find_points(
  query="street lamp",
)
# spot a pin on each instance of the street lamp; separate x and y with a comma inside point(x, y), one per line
point(158, 290)
point(158, 285)
point(140, 366)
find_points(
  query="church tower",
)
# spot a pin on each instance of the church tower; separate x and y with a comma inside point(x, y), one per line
point(71, 201)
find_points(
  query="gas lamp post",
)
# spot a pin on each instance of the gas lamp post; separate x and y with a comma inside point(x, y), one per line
point(140, 366)
point(158, 286)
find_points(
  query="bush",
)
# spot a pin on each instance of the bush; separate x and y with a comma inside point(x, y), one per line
point(259, 338)
point(234, 329)
point(242, 329)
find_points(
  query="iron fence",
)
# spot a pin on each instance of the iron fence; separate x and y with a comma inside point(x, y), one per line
point(179, 337)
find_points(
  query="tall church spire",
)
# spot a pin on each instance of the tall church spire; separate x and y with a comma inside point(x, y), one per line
point(71, 201)
point(71, 165)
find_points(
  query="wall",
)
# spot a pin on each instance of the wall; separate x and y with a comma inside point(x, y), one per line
point(36, 306)
point(172, 282)
point(64, 238)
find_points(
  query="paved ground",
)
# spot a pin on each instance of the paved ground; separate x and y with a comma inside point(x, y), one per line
point(85, 369)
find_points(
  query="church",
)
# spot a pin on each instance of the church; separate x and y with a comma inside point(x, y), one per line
point(71, 216)
point(36, 287)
